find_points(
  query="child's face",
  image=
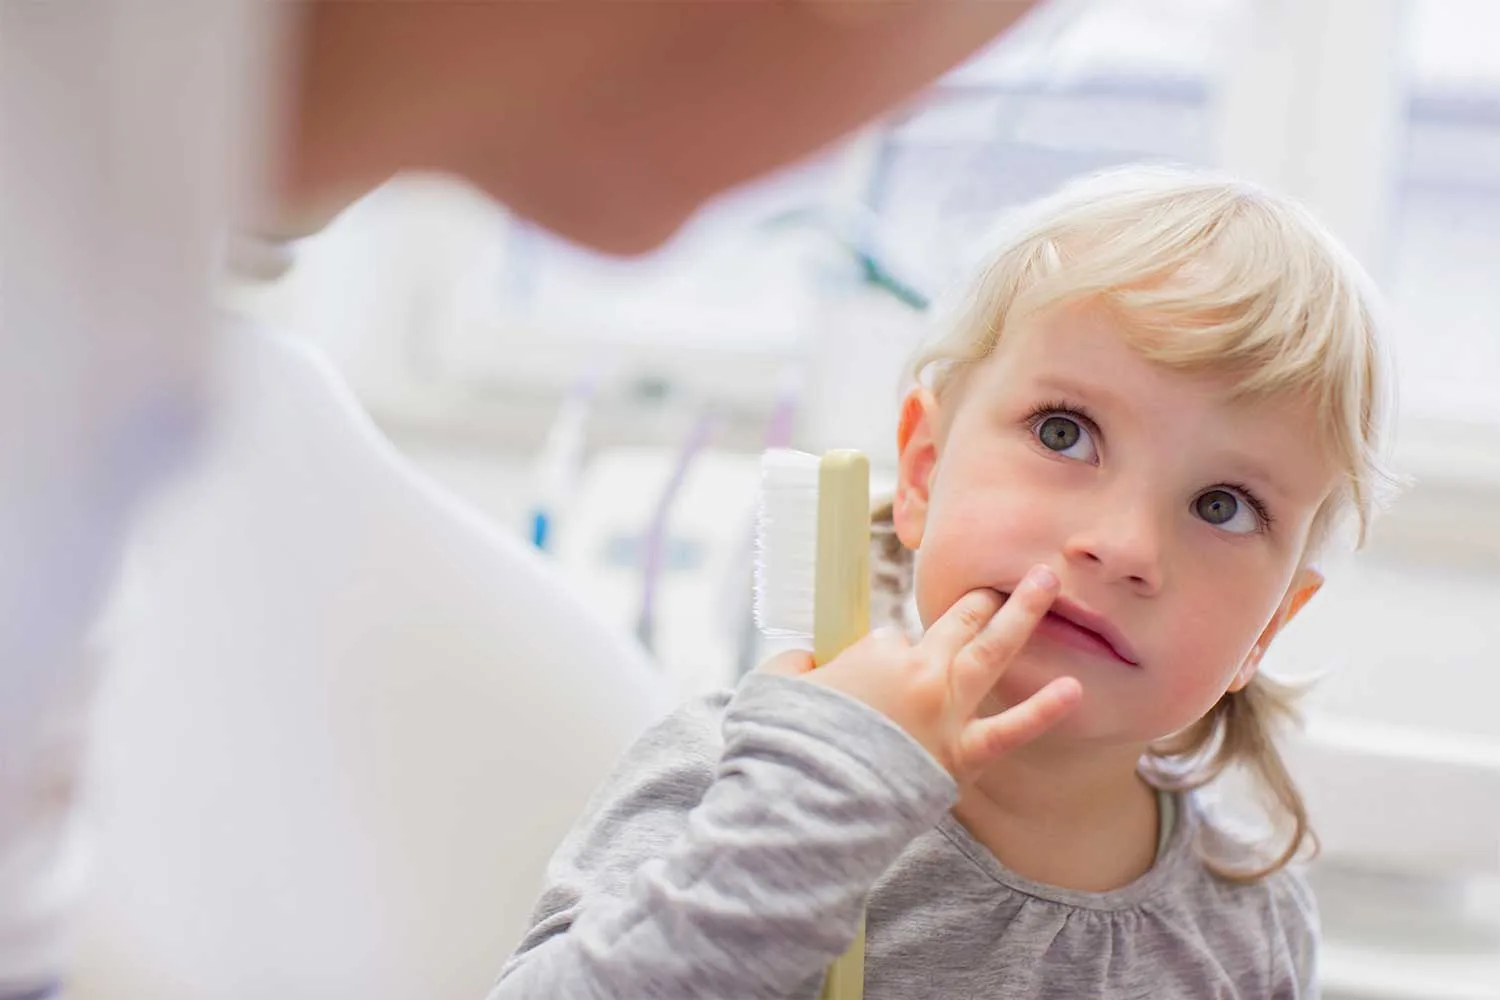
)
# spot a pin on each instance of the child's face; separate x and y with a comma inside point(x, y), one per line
point(1140, 486)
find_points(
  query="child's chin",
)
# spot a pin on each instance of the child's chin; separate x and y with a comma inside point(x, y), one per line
point(1091, 721)
point(1025, 677)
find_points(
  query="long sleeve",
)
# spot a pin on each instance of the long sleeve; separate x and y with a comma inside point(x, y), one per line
point(119, 167)
point(44, 846)
point(731, 853)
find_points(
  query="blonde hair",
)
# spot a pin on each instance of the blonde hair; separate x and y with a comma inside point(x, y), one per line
point(1206, 274)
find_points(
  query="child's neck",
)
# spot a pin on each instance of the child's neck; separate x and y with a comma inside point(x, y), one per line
point(1076, 819)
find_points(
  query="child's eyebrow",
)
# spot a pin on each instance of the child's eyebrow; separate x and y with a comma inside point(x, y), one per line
point(1088, 391)
point(1254, 470)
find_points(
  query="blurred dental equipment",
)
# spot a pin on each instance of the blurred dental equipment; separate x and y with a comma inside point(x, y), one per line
point(657, 529)
point(557, 467)
point(701, 546)
point(856, 232)
point(782, 423)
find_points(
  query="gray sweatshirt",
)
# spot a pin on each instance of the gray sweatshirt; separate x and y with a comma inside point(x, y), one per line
point(731, 853)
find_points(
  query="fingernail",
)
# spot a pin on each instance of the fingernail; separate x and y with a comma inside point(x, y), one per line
point(1043, 577)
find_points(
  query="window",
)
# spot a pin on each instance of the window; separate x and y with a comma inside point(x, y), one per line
point(1088, 86)
point(1445, 234)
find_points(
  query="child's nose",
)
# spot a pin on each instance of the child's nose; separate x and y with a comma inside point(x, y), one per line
point(1123, 543)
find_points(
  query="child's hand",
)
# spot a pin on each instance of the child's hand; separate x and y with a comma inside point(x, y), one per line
point(932, 689)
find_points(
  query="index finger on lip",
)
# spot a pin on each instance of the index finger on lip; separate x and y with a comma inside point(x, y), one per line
point(984, 659)
point(961, 623)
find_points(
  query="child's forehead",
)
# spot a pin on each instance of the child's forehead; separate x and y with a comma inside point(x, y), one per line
point(1084, 338)
point(1091, 342)
point(1085, 356)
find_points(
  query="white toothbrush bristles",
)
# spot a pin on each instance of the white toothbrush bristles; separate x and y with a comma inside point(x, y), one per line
point(786, 544)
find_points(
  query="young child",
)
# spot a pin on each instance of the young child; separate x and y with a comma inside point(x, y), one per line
point(1116, 470)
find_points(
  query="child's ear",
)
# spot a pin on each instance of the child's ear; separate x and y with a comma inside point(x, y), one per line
point(1307, 583)
point(916, 443)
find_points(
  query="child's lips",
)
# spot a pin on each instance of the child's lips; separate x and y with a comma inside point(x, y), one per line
point(1102, 628)
point(1069, 633)
point(1073, 625)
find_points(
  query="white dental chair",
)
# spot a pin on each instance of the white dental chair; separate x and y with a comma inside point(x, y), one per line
point(342, 724)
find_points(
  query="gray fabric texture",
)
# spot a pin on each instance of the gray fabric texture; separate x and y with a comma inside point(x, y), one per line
point(732, 851)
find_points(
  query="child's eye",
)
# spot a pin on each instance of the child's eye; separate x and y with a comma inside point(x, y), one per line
point(1230, 509)
point(1066, 436)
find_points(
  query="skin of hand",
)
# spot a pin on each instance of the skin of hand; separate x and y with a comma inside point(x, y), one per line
point(933, 688)
point(608, 123)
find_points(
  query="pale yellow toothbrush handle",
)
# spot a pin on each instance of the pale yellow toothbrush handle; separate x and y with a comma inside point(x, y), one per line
point(841, 617)
point(841, 583)
point(846, 976)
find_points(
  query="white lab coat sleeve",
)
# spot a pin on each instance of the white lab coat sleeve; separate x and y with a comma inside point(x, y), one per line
point(120, 122)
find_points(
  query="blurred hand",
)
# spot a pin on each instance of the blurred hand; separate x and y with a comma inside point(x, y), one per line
point(933, 688)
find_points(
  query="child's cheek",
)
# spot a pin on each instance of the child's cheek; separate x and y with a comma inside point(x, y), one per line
point(971, 542)
point(1188, 690)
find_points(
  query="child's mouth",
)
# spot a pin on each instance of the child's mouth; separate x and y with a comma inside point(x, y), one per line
point(1067, 633)
point(1076, 627)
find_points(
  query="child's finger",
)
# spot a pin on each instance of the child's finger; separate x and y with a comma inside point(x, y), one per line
point(789, 663)
point(960, 624)
point(984, 659)
point(984, 740)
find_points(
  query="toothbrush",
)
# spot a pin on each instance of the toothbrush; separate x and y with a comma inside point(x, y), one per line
point(778, 435)
point(812, 580)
